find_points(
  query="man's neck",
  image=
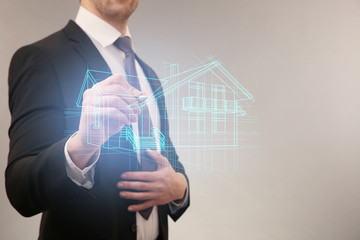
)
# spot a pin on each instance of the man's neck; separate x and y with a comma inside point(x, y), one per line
point(118, 23)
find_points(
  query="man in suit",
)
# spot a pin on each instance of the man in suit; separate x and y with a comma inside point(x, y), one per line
point(85, 191)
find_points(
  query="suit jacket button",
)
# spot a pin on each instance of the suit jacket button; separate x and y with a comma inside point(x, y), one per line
point(133, 227)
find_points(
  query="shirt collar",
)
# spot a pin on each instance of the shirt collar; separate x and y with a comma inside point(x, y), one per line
point(98, 29)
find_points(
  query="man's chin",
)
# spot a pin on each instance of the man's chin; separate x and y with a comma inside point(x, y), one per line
point(117, 12)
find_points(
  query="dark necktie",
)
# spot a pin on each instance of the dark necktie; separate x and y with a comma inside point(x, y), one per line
point(144, 121)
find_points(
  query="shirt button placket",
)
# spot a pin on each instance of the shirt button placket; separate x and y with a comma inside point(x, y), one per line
point(133, 228)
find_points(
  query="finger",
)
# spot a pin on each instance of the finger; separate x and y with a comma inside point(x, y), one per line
point(136, 195)
point(128, 86)
point(106, 115)
point(97, 93)
point(129, 96)
point(158, 157)
point(140, 186)
point(141, 206)
point(118, 103)
point(115, 116)
point(118, 79)
point(142, 176)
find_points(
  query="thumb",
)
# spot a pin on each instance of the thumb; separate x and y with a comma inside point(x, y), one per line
point(159, 158)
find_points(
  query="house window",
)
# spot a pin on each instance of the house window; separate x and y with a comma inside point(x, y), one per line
point(218, 96)
point(197, 94)
point(197, 122)
point(195, 104)
point(173, 99)
point(196, 89)
point(218, 123)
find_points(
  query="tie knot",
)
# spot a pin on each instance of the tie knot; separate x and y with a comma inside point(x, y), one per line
point(124, 44)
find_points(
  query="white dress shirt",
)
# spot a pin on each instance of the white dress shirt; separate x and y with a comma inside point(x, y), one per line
point(103, 35)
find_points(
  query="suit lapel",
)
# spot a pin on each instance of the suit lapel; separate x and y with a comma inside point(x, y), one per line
point(156, 86)
point(85, 47)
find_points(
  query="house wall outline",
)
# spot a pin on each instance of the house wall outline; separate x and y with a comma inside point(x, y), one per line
point(224, 111)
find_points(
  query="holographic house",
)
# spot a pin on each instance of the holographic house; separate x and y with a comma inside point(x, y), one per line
point(205, 105)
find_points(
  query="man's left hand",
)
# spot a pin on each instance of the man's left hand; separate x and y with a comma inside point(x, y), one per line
point(155, 188)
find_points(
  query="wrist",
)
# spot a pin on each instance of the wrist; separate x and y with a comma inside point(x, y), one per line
point(80, 151)
point(182, 185)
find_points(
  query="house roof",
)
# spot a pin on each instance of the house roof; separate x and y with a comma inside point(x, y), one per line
point(212, 66)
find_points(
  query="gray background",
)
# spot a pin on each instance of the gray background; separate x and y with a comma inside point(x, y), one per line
point(301, 59)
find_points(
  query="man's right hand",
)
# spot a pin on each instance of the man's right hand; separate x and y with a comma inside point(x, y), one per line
point(106, 108)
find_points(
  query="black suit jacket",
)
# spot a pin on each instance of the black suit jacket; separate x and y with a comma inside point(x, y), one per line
point(44, 79)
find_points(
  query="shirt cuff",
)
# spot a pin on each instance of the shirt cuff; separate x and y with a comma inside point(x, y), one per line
point(177, 204)
point(81, 177)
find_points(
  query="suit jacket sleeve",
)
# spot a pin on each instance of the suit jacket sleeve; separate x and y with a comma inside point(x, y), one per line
point(36, 178)
point(178, 167)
